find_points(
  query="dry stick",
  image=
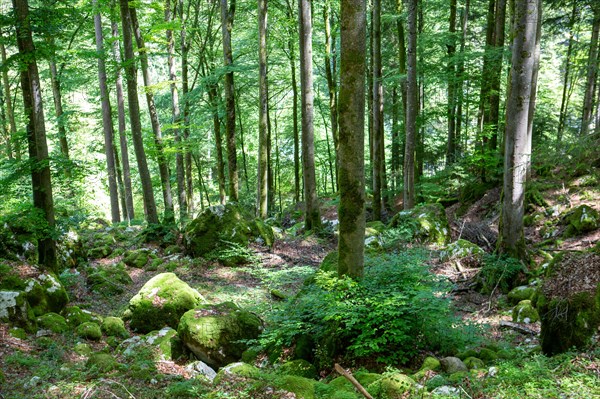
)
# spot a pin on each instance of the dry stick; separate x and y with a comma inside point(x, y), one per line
point(350, 378)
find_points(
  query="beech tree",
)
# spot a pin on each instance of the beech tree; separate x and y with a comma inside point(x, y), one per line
point(263, 145)
point(412, 107)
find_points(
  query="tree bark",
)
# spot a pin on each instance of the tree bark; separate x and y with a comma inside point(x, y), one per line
point(517, 154)
point(493, 119)
point(107, 123)
point(412, 106)
point(10, 113)
point(377, 107)
point(451, 77)
point(134, 115)
point(312, 219)
point(292, 58)
point(227, 15)
point(163, 166)
point(128, 191)
point(592, 71)
point(58, 107)
point(460, 77)
point(187, 154)
point(330, 74)
point(351, 210)
point(36, 133)
point(176, 117)
point(263, 145)
point(213, 98)
point(563, 101)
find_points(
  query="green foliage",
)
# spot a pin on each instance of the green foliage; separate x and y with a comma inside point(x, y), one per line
point(499, 273)
point(395, 311)
point(231, 254)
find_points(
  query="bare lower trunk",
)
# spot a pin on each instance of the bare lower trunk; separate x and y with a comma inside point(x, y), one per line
point(214, 101)
point(263, 145)
point(10, 114)
point(563, 101)
point(377, 107)
point(330, 73)
point(412, 107)
point(592, 73)
point(451, 75)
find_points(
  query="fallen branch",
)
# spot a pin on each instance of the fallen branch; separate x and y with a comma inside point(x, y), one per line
point(517, 327)
point(350, 378)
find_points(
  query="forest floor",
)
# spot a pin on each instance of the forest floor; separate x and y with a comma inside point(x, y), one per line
point(34, 367)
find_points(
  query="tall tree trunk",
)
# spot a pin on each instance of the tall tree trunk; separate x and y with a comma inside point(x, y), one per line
point(5, 129)
point(460, 77)
point(395, 160)
point(517, 155)
point(534, 79)
point(134, 115)
point(163, 166)
point(242, 143)
point(176, 115)
point(58, 107)
point(10, 113)
point(120, 184)
point(213, 98)
point(420, 150)
point(121, 118)
point(330, 74)
point(36, 133)
point(351, 210)
point(412, 107)
point(377, 107)
point(493, 119)
point(107, 124)
point(451, 76)
point(563, 101)
point(227, 15)
point(187, 154)
point(403, 87)
point(263, 145)
point(592, 71)
point(312, 219)
point(292, 58)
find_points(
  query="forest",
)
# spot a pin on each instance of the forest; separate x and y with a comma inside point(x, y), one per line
point(328, 199)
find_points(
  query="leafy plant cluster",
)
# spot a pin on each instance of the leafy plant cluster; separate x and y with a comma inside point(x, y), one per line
point(499, 273)
point(396, 310)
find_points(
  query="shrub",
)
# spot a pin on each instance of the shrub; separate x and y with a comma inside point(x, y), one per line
point(499, 273)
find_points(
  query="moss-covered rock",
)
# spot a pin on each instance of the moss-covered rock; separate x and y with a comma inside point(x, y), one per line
point(263, 232)
point(468, 353)
point(102, 362)
point(520, 293)
point(161, 302)
point(17, 332)
point(569, 302)
point(46, 294)
point(109, 280)
point(435, 382)
point(330, 262)
point(580, 220)
point(466, 252)
point(89, 330)
point(15, 310)
point(427, 223)
point(238, 369)
point(524, 312)
point(214, 333)
point(76, 316)
point(299, 367)
point(164, 343)
point(365, 379)
point(71, 250)
point(474, 363)
point(10, 279)
point(114, 327)
point(302, 388)
point(451, 365)
point(136, 258)
point(102, 251)
point(393, 386)
point(83, 349)
point(53, 322)
point(487, 355)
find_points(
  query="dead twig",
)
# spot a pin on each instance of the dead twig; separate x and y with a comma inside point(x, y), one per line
point(517, 327)
point(353, 380)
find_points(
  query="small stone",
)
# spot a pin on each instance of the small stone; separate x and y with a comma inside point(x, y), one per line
point(446, 390)
point(200, 368)
point(33, 382)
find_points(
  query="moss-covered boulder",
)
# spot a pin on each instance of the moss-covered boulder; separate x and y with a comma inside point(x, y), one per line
point(101, 251)
point(15, 310)
point(487, 355)
point(161, 302)
point(467, 253)
point(214, 333)
point(299, 367)
point(521, 293)
point(164, 344)
point(524, 312)
point(89, 330)
point(452, 365)
point(205, 233)
point(580, 220)
point(569, 302)
point(302, 388)
point(46, 294)
point(474, 363)
point(102, 362)
point(262, 232)
point(71, 250)
point(53, 322)
point(136, 258)
point(109, 280)
point(365, 379)
point(330, 262)
point(426, 223)
point(237, 369)
point(393, 386)
point(75, 316)
point(114, 327)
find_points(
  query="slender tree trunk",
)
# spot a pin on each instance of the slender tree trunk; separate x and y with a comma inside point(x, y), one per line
point(107, 124)
point(263, 145)
point(451, 76)
point(330, 74)
point(460, 76)
point(58, 110)
point(420, 150)
point(403, 87)
point(493, 119)
point(227, 15)
point(134, 115)
point(563, 101)
point(242, 143)
point(5, 130)
point(592, 71)
point(176, 115)
point(312, 219)
point(395, 160)
point(120, 184)
point(10, 113)
point(534, 79)
point(412, 107)
point(377, 107)
point(351, 210)
point(213, 97)
point(163, 166)
point(187, 154)
point(122, 125)
point(517, 155)
point(36, 133)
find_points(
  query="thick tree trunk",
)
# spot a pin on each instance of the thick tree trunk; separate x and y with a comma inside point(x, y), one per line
point(330, 74)
point(412, 107)
point(592, 71)
point(134, 115)
point(351, 210)
point(10, 113)
point(517, 144)
point(122, 125)
point(163, 166)
point(227, 15)
point(377, 107)
point(451, 77)
point(107, 123)
point(263, 145)
point(176, 115)
point(36, 133)
point(312, 219)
